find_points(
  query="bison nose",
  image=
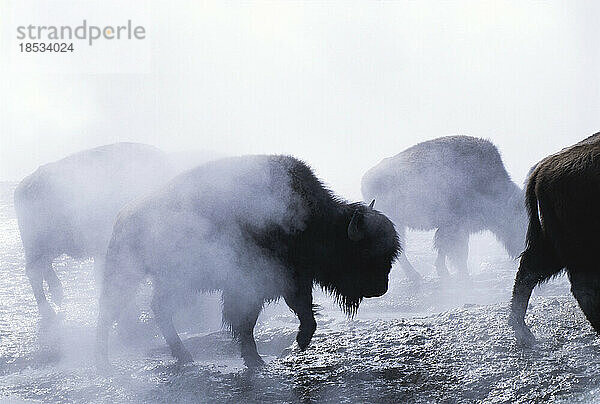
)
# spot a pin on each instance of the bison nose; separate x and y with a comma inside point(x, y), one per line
point(378, 290)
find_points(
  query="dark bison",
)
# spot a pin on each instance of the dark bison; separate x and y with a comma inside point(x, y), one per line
point(69, 207)
point(562, 197)
point(257, 228)
point(455, 184)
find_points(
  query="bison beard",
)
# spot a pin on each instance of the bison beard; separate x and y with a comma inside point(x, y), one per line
point(257, 228)
point(562, 197)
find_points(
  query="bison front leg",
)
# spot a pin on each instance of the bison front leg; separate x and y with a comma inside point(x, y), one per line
point(300, 301)
point(163, 309)
point(459, 252)
point(440, 243)
point(241, 313)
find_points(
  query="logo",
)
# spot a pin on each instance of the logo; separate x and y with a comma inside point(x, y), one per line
point(87, 32)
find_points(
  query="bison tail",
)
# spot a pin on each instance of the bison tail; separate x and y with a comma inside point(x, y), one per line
point(534, 230)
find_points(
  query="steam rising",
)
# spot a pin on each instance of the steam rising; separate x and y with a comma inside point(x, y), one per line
point(203, 233)
point(341, 86)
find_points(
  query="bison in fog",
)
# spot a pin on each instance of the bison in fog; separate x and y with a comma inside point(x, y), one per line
point(455, 184)
point(69, 207)
point(562, 197)
point(257, 228)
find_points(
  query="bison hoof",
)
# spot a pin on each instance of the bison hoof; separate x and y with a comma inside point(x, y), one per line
point(304, 337)
point(523, 334)
point(47, 314)
point(184, 358)
point(253, 361)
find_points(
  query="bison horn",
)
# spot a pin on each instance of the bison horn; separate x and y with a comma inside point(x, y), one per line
point(372, 204)
point(354, 231)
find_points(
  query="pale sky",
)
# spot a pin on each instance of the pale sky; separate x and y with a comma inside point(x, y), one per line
point(339, 84)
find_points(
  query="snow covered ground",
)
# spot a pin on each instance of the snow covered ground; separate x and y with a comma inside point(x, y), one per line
point(436, 342)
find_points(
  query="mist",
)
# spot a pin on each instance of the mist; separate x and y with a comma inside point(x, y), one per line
point(342, 86)
point(339, 86)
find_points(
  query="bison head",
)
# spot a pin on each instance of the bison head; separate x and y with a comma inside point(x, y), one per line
point(372, 247)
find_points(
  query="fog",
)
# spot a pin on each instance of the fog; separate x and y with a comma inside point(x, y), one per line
point(341, 86)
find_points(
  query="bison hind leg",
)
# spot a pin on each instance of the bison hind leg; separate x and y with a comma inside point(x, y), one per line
point(163, 308)
point(118, 288)
point(240, 313)
point(586, 289)
point(35, 270)
point(538, 263)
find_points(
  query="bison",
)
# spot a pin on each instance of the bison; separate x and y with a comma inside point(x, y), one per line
point(256, 228)
point(562, 196)
point(69, 207)
point(455, 184)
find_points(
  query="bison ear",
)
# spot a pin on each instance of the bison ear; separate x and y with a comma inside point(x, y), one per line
point(355, 232)
point(372, 204)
